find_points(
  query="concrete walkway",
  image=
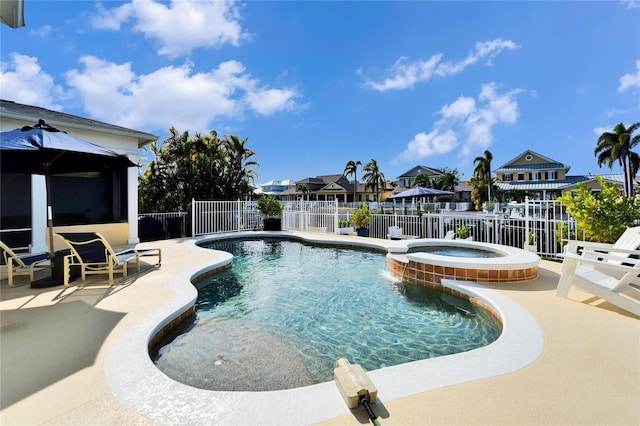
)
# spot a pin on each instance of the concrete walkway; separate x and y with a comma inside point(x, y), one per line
point(54, 342)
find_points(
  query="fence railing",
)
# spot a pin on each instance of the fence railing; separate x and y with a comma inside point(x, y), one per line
point(508, 224)
point(210, 217)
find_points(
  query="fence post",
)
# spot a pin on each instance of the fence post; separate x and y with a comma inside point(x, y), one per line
point(238, 214)
point(526, 219)
point(193, 217)
point(336, 217)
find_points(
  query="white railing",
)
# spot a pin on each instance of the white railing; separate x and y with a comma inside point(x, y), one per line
point(311, 216)
point(210, 217)
point(509, 225)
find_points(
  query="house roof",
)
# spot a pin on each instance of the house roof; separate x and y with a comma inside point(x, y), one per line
point(18, 111)
point(547, 163)
point(417, 170)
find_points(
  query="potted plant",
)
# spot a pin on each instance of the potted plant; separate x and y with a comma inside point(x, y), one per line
point(463, 232)
point(530, 243)
point(344, 227)
point(271, 209)
point(360, 220)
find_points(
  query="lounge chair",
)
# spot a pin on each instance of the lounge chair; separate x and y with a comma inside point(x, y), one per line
point(396, 233)
point(93, 254)
point(609, 271)
point(450, 235)
point(22, 264)
point(629, 240)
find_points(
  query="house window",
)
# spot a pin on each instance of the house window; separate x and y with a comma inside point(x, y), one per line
point(553, 175)
point(407, 183)
point(507, 178)
point(94, 197)
point(520, 176)
point(535, 176)
point(15, 216)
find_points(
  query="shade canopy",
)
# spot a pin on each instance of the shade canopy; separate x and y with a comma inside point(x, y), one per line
point(45, 150)
point(42, 149)
point(420, 191)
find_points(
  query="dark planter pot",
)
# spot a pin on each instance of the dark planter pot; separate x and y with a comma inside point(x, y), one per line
point(273, 224)
point(362, 232)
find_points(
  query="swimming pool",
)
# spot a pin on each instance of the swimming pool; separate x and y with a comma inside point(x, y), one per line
point(138, 384)
point(286, 311)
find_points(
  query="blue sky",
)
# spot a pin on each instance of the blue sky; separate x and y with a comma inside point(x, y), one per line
point(313, 85)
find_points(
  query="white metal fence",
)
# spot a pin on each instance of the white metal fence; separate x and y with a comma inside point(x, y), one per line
point(210, 217)
point(508, 224)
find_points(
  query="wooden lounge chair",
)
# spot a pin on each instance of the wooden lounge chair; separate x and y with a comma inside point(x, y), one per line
point(609, 271)
point(93, 254)
point(22, 264)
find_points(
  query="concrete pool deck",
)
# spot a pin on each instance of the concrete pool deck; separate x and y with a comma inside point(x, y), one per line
point(58, 348)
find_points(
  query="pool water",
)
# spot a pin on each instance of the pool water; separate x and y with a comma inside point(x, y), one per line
point(456, 251)
point(286, 311)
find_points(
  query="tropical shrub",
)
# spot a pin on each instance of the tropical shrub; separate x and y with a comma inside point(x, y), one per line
point(462, 231)
point(603, 217)
point(344, 223)
point(361, 217)
point(270, 206)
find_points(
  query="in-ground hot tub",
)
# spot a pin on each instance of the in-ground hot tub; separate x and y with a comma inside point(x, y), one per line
point(427, 262)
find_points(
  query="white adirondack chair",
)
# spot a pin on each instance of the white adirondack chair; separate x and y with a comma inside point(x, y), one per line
point(609, 271)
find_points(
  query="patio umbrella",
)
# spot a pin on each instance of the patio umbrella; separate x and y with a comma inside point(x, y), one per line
point(420, 191)
point(45, 150)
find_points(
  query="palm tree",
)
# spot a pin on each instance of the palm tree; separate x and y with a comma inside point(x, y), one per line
point(423, 180)
point(304, 190)
point(242, 164)
point(448, 180)
point(617, 146)
point(352, 169)
point(482, 172)
point(373, 177)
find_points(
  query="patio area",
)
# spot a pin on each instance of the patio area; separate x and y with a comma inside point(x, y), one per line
point(55, 347)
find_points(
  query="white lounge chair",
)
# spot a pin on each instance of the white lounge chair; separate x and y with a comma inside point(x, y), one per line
point(450, 235)
point(394, 231)
point(609, 271)
point(629, 240)
point(397, 233)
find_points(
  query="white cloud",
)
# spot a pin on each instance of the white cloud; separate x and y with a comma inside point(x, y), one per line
point(43, 31)
point(466, 124)
point(486, 51)
point(631, 4)
point(178, 27)
point(405, 74)
point(459, 109)
point(22, 80)
point(630, 80)
point(426, 145)
point(173, 96)
point(600, 130)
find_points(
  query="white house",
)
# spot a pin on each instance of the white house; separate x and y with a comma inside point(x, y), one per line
point(105, 202)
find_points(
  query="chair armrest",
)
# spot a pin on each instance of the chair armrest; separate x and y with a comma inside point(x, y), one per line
point(605, 261)
point(573, 245)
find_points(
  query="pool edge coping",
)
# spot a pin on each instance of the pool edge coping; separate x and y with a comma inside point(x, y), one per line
point(138, 384)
